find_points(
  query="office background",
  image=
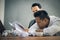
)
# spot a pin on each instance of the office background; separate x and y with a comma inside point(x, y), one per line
point(20, 10)
point(2, 5)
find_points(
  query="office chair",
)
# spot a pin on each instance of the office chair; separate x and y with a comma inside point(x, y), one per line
point(1, 27)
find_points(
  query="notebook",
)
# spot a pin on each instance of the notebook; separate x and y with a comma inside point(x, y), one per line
point(17, 25)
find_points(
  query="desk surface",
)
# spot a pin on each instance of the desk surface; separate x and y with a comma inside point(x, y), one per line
point(31, 38)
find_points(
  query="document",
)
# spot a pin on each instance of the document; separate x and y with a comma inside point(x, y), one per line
point(18, 29)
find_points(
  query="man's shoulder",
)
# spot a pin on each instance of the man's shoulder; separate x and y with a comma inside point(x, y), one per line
point(54, 18)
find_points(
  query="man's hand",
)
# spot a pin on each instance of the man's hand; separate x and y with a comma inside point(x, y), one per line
point(39, 30)
point(26, 30)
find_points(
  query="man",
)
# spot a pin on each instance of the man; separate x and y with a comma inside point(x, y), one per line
point(35, 7)
point(45, 24)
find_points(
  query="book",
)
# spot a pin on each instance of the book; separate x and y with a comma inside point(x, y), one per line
point(19, 29)
point(17, 25)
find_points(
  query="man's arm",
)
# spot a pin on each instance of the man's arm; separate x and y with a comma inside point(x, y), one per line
point(33, 29)
point(39, 30)
point(54, 28)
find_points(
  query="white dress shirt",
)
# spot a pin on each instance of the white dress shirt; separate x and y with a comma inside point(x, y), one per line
point(53, 27)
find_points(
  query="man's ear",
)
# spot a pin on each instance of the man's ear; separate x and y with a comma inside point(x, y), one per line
point(46, 20)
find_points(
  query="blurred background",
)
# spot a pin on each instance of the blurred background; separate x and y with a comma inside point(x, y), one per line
point(20, 10)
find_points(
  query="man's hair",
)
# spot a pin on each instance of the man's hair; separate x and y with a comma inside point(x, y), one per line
point(36, 4)
point(42, 14)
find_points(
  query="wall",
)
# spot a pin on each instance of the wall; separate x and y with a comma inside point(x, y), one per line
point(20, 10)
point(2, 3)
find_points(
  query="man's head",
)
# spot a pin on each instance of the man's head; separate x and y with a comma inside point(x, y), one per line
point(42, 18)
point(35, 7)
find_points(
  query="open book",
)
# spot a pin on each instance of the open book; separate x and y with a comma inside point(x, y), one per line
point(17, 25)
point(19, 29)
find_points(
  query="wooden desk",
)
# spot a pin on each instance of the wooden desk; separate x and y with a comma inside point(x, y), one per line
point(31, 38)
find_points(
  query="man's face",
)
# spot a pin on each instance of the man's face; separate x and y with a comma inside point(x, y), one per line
point(35, 9)
point(41, 23)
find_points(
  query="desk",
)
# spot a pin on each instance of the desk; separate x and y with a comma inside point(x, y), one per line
point(31, 38)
